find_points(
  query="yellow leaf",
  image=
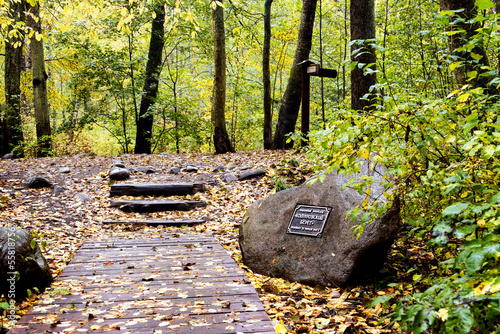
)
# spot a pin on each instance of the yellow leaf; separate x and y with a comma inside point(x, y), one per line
point(280, 329)
point(365, 203)
point(455, 65)
point(443, 314)
point(463, 97)
point(153, 14)
point(366, 154)
point(95, 327)
point(476, 56)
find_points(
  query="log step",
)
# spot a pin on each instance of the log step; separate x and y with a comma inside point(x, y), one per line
point(167, 189)
point(155, 222)
point(156, 206)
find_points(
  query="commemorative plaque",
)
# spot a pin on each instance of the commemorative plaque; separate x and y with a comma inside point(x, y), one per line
point(309, 220)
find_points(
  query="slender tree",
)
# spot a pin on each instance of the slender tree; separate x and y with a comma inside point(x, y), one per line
point(222, 142)
point(465, 12)
point(266, 77)
point(151, 83)
point(12, 133)
point(42, 115)
point(362, 35)
point(290, 103)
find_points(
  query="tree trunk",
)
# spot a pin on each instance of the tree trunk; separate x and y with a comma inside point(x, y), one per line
point(153, 69)
point(221, 138)
point(42, 114)
point(266, 77)
point(11, 129)
point(290, 104)
point(362, 29)
point(466, 24)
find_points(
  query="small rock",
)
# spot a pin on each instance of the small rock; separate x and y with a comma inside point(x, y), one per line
point(118, 174)
point(191, 169)
point(37, 181)
point(245, 168)
point(118, 163)
point(9, 156)
point(82, 155)
point(133, 170)
point(252, 174)
point(229, 177)
point(150, 170)
point(175, 170)
point(82, 197)
point(220, 168)
point(58, 190)
point(64, 170)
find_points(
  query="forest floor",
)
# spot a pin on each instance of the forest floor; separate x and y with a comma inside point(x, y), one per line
point(64, 224)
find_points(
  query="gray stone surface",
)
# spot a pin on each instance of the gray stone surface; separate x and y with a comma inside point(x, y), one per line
point(229, 177)
point(64, 170)
point(58, 190)
point(220, 168)
point(336, 258)
point(18, 255)
point(191, 169)
point(118, 174)
point(175, 170)
point(37, 181)
point(9, 156)
point(82, 197)
point(118, 163)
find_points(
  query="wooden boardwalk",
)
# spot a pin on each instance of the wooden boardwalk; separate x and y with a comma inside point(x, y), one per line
point(179, 283)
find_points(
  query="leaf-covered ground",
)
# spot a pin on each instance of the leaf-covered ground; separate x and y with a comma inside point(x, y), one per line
point(64, 223)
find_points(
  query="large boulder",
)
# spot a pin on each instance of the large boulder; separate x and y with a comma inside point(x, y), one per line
point(22, 266)
point(332, 256)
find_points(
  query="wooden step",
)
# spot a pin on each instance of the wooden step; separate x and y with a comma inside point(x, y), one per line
point(156, 206)
point(155, 222)
point(167, 189)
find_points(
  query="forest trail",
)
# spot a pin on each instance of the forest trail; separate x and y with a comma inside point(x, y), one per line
point(67, 225)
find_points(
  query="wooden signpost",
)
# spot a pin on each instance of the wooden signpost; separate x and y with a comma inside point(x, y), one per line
point(310, 69)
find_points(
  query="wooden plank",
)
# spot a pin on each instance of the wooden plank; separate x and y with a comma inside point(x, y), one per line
point(156, 206)
point(156, 222)
point(237, 322)
point(179, 284)
point(168, 189)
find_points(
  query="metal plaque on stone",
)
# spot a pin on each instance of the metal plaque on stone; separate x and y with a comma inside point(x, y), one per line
point(309, 220)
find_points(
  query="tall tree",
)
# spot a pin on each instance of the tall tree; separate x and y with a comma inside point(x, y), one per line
point(221, 138)
point(12, 133)
point(290, 103)
point(266, 76)
point(362, 35)
point(151, 83)
point(474, 60)
point(42, 115)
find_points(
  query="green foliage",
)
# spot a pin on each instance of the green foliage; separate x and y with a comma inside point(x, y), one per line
point(443, 161)
point(37, 236)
